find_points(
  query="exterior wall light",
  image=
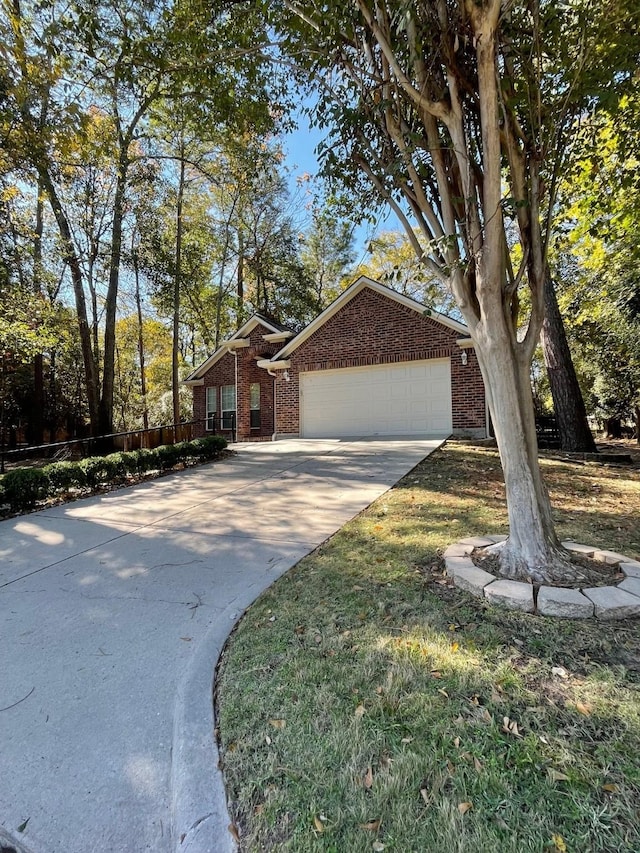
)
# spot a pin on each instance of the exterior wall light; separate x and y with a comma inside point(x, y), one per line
point(463, 356)
point(287, 378)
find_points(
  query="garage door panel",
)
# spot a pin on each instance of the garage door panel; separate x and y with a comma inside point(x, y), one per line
point(403, 399)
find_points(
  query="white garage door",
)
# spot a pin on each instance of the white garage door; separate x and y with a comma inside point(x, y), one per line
point(412, 398)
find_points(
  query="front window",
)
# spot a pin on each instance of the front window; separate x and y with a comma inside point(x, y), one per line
point(228, 405)
point(255, 405)
point(212, 408)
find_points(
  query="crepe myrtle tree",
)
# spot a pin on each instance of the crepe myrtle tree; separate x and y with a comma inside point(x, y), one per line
point(459, 113)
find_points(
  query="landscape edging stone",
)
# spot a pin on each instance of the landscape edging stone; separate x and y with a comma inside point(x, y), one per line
point(618, 601)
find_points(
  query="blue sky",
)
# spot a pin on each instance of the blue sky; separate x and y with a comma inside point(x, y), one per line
point(299, 146)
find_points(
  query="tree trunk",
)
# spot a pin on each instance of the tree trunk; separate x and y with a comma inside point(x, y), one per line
point(73, 262)
point(37, 422)
point(143, 372)
point(614, 428)
point(95, 320)
point(108, 367)
point(568, 403)
point(532, 550)
point(637, 417)
point(175, 361)
point(240, 279)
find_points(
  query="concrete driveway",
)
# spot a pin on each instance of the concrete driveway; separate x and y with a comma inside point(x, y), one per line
point(113, 611)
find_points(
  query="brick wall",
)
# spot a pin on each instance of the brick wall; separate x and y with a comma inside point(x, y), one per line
point(467, 393)
point(248, 373)
point(373, 329)
point(222, 373)
point(370, 329)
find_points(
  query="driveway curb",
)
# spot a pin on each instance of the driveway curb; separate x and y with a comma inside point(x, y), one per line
point(199, 807)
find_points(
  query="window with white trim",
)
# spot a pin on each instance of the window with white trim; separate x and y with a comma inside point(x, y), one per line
point(255, 405)
point(228, 405)
point(211, 408)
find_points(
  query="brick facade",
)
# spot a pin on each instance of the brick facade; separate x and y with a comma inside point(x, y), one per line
point(374, 329)
point(223, 372)
point(369, 329)
point(248, 374)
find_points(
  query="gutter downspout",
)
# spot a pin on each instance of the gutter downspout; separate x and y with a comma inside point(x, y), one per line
point(274, 434)
point(235, 355)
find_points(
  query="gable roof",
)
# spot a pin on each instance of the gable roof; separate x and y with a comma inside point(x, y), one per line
point(347, 295)
point(236, 341)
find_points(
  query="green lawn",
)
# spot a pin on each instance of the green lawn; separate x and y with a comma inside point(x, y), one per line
point(364, 704)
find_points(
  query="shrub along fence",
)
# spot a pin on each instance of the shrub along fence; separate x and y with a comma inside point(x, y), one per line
point(77, 448)
point(23, 487)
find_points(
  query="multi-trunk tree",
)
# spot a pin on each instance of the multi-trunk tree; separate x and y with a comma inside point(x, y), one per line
point(462, 114)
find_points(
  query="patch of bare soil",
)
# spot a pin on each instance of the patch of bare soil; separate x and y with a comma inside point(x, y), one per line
point(588, 572)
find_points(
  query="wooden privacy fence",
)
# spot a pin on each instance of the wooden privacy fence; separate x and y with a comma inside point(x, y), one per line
point(132, 440)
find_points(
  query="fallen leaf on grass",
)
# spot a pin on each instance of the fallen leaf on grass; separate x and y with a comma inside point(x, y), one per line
point(501, 822)
point(359, 712)
point(267, 740)
point(583, 708)
point(559, 844)
point(477, 764)
point(463, 808)
point(455, 647)
point(444, 692)
point(318, 824)
point(368, 778)
point(277, 724)
point(510, 727)
point(556, 775)
point(233, 829)
point(610, 788)
point(378, 846)
point(371, 826)
point(406, 740)
point(456, 742)
point(560, 671)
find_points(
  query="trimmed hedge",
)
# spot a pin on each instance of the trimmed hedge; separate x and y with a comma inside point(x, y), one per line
point(22, 488)
point(63, 476)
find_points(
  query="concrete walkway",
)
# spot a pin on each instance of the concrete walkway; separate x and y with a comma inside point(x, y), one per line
point(113, 611)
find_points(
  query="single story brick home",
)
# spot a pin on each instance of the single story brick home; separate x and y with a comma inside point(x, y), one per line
point(374, 362)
